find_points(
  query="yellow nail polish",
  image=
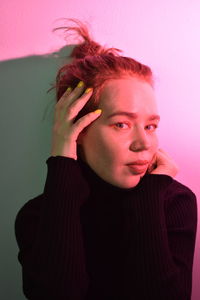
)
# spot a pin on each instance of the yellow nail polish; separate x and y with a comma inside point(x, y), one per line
point(81, 83)
point(69, 89)
point(88, 90)
point(98, 111)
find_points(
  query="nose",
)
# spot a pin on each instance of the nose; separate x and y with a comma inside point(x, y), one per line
point(140, 140)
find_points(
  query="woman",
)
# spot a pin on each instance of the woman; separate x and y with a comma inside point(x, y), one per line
point(112, 223)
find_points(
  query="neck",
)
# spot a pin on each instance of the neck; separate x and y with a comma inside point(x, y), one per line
point(96, 182)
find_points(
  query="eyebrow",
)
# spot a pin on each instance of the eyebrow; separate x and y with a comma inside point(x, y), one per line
point(132, 115)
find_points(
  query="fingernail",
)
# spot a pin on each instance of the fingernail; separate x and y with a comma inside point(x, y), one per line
point(81, 83)
point(88, 90)
point(69, 89)
point(98, 111)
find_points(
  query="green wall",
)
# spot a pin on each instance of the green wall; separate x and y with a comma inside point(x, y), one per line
point(26, 118)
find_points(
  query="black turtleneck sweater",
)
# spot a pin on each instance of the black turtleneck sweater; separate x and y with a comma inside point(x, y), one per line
point(85, 239)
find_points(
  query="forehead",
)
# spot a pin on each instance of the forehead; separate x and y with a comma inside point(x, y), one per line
point(130, 94)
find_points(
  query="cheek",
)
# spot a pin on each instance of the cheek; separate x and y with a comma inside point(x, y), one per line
point(154, 144)
point(156, 141)
point(105, 146)
point(95, 144)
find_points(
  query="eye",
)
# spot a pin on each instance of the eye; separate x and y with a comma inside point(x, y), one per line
point(151, 127)
point(121, 125)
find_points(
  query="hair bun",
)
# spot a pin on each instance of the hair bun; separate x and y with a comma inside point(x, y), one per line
point(90, 48)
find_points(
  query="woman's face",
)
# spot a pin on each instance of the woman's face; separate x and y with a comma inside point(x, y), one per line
point(119, 145)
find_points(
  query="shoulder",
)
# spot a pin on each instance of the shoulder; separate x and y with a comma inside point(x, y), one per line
point(28, 215)
point(169, 187)
point(181, 205)
point(31, 206)
point(178, 190)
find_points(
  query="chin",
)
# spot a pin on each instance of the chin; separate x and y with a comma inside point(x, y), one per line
point(130, 183)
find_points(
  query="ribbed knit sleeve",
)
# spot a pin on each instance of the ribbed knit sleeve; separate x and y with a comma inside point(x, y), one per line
point(50, 237)
point(160, 230)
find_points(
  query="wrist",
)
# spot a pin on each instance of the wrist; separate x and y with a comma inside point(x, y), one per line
point(65, 151)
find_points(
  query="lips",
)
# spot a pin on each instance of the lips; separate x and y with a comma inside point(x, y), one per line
point(139, 162)
point(139, 166)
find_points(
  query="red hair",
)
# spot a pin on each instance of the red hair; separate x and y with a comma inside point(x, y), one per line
point(94, 65)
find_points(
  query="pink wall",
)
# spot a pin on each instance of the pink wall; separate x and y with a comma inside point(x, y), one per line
point(162, 34)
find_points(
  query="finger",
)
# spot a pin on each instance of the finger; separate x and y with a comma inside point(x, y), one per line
point(156, 160)
point(163, 158)
point(153, 160)
point(85, 121)
point(164, 152)
point(167, 156)
point(69, 98)
point(75, 107)
point(152, 166)
point(64, 96)
point(59, 105)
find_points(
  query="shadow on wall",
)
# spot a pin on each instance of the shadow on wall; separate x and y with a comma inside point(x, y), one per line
point(26, 118)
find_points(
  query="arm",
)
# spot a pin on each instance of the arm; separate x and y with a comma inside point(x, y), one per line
point(50, 238)
point(53, 258)
point(166, 223)
point(165, 230)
point(181, 222)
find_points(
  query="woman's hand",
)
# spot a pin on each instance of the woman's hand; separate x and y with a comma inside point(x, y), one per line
point(65, 132)
point(162, 163)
